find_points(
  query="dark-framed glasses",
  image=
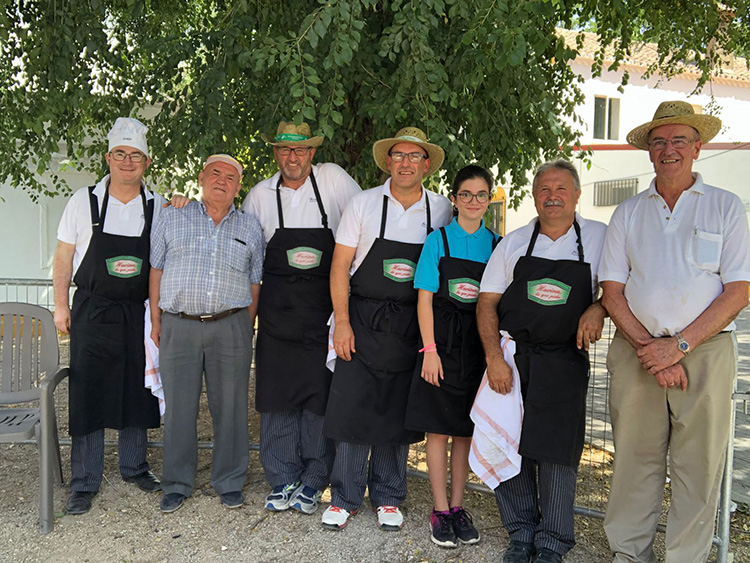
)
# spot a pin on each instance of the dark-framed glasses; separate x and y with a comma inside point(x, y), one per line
point(134, 157)
point(299, 151)
point(466, 197)
point(677, 142)
point(414, 157)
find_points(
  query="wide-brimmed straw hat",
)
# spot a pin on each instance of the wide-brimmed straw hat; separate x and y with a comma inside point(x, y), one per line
point(675, 112)
point(290, 135)
point(412, 135)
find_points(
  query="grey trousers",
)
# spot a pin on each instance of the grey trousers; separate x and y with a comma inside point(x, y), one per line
point(87, 458)
point(223, 350)
point(536, 506)
point(385, 478)
point(293, 448)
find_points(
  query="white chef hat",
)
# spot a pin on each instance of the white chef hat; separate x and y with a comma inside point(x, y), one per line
point(129, 132)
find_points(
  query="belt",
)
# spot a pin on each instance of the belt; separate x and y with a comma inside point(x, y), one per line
point(209, 318)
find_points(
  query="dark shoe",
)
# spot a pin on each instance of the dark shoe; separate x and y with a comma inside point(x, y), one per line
point(441, 524)
point(146, 481)
point(79, 503)
point(235, 499)
point(171, 502)
point(463, 525)
point(545, 555)
point(518, 552)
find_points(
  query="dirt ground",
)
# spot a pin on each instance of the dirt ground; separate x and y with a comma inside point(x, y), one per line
point(125, 524)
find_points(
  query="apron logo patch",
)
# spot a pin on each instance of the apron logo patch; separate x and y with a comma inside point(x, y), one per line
point(399, 269)
point(304, 257)
point(124, 266)
point(548, 292)
point(465, 290)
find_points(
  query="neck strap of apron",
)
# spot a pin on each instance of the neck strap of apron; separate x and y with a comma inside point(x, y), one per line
point(384, 215)
point(536, 234)
point(97, 220)
point(318, 199)
point(495, 238)
point(445, 242)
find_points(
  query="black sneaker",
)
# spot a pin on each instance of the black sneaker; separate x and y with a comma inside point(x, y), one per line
point(463, 526)
point(545, 555)
point(441, 524)
point(518, 552)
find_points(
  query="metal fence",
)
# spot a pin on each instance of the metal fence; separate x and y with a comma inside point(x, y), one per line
point(596, 462)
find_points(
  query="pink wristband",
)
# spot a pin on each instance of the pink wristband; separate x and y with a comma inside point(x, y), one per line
point(429, 348)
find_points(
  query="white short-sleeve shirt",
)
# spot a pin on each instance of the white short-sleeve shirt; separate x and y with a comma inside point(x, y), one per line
point(675, 263)
point(125, 219)
point(300, 207)
point(499, 272)
point(360, 224)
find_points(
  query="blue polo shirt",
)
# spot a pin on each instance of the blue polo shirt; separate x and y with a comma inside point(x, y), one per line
point(476, 246)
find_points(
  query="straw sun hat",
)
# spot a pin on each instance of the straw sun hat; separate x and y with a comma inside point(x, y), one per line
point(412, 135)
point(289, 134)
point(676, 112)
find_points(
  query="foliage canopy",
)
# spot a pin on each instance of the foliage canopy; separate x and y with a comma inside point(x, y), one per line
point(488, 80)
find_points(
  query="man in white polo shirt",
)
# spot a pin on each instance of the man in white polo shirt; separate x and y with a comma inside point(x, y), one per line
point(299, 209)
point(104, 238)
point(675, 270)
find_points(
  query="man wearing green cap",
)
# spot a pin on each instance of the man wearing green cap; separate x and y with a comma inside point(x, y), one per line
point(299, 210)
point(674, 270)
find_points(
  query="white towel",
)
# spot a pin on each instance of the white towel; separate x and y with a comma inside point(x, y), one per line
point(153, 376)
point(497, 420)
point(331, 357)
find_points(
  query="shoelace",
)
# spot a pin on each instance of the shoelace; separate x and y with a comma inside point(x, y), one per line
point(445, 522)
point(390, 509)
point(335, 509)
point(464, 519)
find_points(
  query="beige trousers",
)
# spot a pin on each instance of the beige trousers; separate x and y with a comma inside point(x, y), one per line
point(693, 425)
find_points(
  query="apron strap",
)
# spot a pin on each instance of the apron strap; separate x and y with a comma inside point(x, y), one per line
point(495, 238)
point(94, 205)
point(580, 244)
point(428, 212)
point(318, 199)
point(148, 210)
point(534, 236)
point(445, 242)
point(383, 216)
point(278, 203)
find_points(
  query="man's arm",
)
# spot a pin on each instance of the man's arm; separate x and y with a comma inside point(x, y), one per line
point(590, 325)
point(343, 336)
point(613, 299)
point(154, 290)
point(62, 272)
point(253, 308)
point(499, 373)
point(657, 354)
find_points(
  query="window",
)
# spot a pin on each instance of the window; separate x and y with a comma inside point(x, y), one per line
point(606, 118)
point(614, 192)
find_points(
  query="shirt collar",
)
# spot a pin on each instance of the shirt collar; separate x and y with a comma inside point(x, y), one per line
point(101, 187)
point(697, 186)
point(581, 222)
point(387, 192)
point(202, 207)
point(275, 179)
point(458, 230)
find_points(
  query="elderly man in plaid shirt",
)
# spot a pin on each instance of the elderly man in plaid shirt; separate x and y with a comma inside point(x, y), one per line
point(206, 266)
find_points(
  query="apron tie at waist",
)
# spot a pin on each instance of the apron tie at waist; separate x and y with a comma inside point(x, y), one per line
point(383, 311)
point(101, 304)
point(300, 277)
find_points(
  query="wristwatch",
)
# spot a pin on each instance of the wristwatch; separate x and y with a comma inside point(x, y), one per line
point(682, 344)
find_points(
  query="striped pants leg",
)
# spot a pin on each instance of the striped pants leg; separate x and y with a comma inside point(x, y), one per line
point(87, 458)
point(536, 506)
point(386, 477)
point(293, 448)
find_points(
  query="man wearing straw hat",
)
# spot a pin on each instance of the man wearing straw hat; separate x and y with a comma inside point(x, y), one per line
point(299, 209)
point(675, 270)
point(103, 246)
point(375, 330)
point(206, 266)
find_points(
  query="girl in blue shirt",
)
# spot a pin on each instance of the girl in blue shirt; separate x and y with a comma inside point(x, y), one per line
point(450, 369)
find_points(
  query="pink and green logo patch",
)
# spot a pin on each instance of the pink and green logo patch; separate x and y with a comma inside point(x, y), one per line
point(124, 266)
point(304, 257)
point(465, 290)
point(399, 269)
point(548, 292)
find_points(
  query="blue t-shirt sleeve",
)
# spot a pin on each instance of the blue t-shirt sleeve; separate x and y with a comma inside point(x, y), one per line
point(427, 276)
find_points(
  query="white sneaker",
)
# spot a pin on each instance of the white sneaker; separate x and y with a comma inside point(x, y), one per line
point(335, 518)
point(281, 496)
point(390, 518)
point(305, 500)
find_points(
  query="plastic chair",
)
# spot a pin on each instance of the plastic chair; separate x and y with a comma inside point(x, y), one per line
point(29, 372)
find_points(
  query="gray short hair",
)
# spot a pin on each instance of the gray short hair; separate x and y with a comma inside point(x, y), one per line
point(559, 164)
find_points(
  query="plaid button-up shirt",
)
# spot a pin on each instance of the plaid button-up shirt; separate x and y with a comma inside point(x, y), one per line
point(207, 269)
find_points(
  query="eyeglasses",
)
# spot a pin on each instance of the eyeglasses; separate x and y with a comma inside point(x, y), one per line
point(677, 143)
point(135, 157)
point(414, 157)
point(466, 197)
point(299, 151)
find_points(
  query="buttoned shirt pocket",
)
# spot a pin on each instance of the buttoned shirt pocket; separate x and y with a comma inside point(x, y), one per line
point(706, 249)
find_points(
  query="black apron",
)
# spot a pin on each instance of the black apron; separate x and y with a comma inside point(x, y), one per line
point(107, 355)
point(369, 393)
point(445, 409)
point(293, 312)
point(540, 309)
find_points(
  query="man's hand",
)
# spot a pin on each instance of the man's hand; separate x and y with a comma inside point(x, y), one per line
point(499, 375)
point(590, 325)
point(156, 331)
point(656, 354)
point(343, 340)
point(672, 376)
point(178, 201)
point(62, 319)
point(432, 368)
